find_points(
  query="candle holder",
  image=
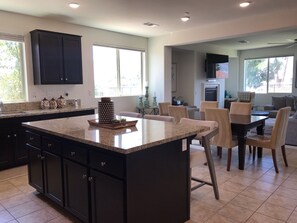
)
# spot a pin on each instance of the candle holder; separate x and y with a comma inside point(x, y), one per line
point(146, 101)
point(155, 104)
point(140, 103)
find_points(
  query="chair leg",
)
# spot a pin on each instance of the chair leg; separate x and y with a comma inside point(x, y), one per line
point(250, 148)
point(274, 160)
point(229, 159)
point(254, 152)
point(219, 151)
point(284, 154)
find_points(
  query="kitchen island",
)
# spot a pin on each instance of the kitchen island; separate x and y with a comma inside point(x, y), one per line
point(135, 174)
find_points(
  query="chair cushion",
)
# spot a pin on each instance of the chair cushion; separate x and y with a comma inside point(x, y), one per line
point(197, 155)
point(279, 102)
point(290, 102)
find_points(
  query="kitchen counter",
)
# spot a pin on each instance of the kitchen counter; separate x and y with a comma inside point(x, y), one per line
point(130, 175)
point(146, 133)
point(16, 114)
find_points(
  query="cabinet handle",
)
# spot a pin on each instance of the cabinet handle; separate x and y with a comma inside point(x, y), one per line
point(66, 79)
point(103, 163)
point(31, 138)
point(61, 78)
point(72, 153)
point(84, 176)
point(42, 157)
point(90, 179)
point(8, 136)
point(49, 145)
point(15, 135)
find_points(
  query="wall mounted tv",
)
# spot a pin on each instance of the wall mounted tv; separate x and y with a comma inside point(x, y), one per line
point(216, 66)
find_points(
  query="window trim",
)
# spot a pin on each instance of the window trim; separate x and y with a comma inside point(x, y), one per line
point(267, 78)
point(143, 68)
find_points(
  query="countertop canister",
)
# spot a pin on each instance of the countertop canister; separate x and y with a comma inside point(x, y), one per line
point(105, 111)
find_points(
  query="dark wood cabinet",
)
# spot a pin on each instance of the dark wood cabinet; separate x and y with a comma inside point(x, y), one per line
point(13, 151)
point(56, 58)
point(76, 189)
point(107, 198)
point(35, 167)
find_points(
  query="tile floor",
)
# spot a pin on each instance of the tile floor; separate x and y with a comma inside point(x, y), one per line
point(256, 194)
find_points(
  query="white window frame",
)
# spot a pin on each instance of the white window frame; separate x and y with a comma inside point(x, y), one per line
point(20, 39)
point(143, 71)
point(267, 79)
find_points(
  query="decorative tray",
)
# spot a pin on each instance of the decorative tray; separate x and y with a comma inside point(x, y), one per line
point(95, 122)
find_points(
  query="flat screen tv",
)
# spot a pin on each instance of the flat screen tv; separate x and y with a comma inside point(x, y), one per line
point(216, 66)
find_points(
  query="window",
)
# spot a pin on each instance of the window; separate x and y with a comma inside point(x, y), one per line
point(269, 75)
point(118, 72)
point(12, 70)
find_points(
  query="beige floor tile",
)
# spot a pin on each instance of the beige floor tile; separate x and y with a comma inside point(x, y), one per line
point(275, 211)
point(8, 190)
point(285, 202)
point(16, 200)
point(286, 192)
point(220, 219)
point(13, 172)
point(63, 219)
point(246, 202)
point(293, 218)
point(26, 208)
point(256, 193)
point(291, 184)
point(259, 218)
point(5, 216)
point(233, 186)
point(273, 179)
point(231, 211)
point(199, 212)
point(36, 217)
point(264, 186)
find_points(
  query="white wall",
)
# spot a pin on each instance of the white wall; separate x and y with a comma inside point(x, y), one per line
point(21, 25)
point(262, 99)
point(232, 82)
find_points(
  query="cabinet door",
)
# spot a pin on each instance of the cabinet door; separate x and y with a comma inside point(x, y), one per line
point(76, 189)
point(72, 59)
point(6, 149)
point(51, 58)
point(53, 177)
point(35, 169)
point(21, 154)
point(107, 194)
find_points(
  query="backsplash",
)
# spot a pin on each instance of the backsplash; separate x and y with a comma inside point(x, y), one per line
point(27, 106)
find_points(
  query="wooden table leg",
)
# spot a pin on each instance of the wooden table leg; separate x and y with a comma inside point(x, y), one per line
point(260, 131)
point(241, 151)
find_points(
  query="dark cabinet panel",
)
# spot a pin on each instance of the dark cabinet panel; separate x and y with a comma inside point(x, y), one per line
point(6, 153)
point(56, 58)
point(35, 168)
point(107, 197)
point(76, 189)
point(53, 177)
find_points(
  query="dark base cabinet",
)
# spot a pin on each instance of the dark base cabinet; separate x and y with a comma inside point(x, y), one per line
point(12, 136)
point(102, 186)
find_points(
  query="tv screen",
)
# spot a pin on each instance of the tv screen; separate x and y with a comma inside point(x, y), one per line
point(216, 66)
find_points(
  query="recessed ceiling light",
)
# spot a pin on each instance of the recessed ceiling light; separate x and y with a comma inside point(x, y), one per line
point(73, 5)
point(243, 41)
point(244, 4)
point(150, 24)
point(186, 17)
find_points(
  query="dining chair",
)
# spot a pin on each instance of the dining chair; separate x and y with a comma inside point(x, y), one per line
point(207, 104)
point(277, 138)
point(178, 112)
point(201, 154)
point(240, 108)
point(130, 114)
point(163, 108)
point(159, 118)
point(224, 139)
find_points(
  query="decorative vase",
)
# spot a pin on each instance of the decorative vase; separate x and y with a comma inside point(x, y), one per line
point(52, 104)
point(44, 104)
point(61, 102)
point(105, 111)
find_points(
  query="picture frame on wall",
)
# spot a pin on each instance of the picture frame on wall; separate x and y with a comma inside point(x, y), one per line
point(174, 77)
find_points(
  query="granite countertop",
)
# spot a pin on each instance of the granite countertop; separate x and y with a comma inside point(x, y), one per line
point(15, 114)
point(146, 133)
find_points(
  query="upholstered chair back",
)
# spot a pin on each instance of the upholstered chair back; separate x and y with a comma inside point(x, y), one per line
point(130, 114)
point(178, 112)
point(163, 108)
point(159, 118)
point(208, 104)
point(240, 108)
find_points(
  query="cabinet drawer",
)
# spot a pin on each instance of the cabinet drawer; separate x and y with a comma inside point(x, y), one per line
point(107, 163)
point(51, 145)
point(75, 152)
point(33, 139)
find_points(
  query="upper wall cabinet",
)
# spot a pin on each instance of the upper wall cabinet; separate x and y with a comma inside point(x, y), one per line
point(56, 58)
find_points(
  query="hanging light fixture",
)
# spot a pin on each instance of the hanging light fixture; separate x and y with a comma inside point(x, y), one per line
point(186, 17)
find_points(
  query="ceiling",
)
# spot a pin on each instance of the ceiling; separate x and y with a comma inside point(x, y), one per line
point(128, 16)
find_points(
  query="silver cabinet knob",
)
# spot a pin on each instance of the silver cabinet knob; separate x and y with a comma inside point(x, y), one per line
point(49, 145)
point(103, 163)
point(84, 176)
point(8, 136)
point(72, 153)
point(90, 179)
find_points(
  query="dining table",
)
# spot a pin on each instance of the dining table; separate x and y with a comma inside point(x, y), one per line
point(240, 125)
